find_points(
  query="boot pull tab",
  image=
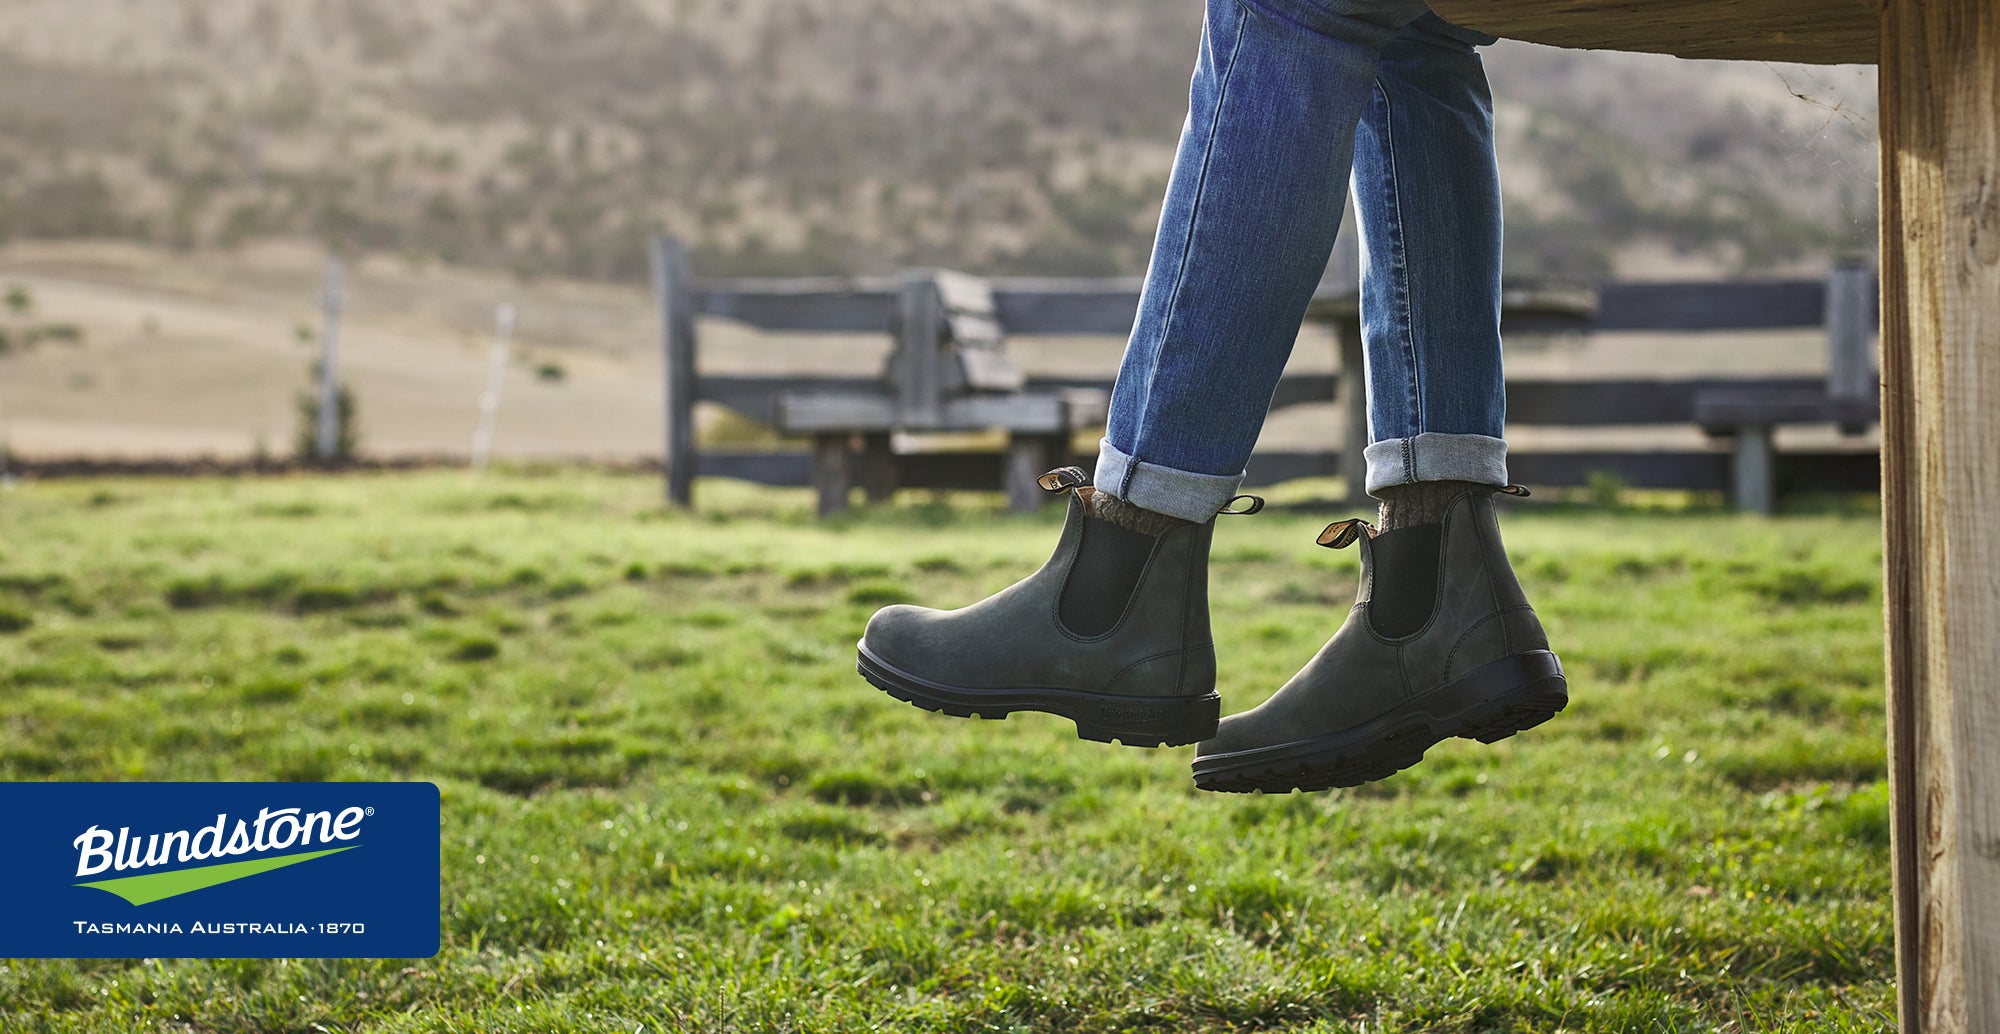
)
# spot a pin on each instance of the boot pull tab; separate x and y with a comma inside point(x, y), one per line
point(1256, 503)
point(1342, 534)
point(1062, 479)
point(1517, 491)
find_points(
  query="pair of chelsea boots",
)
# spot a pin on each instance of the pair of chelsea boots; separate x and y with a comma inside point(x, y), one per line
point(1113, 633)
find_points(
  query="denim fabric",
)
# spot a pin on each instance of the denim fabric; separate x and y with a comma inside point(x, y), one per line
point(1284, 91)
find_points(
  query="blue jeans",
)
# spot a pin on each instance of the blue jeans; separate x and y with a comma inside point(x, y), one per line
point(1291, 99)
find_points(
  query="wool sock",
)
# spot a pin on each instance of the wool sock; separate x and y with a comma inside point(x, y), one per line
point(1107, 507)
point(1425, 502)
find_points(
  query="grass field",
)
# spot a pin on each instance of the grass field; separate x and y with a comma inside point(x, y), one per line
point(670, 804)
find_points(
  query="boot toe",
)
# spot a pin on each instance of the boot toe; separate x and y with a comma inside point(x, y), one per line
point(896, 634)
point(1237, 732)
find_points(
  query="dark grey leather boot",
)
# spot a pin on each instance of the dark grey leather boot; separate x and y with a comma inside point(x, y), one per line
point(1440, 643)
point(1112, 633)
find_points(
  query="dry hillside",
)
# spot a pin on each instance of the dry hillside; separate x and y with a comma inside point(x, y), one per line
point(553, 136)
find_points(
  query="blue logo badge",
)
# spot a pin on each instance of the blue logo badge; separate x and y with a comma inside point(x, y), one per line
point(219, 870)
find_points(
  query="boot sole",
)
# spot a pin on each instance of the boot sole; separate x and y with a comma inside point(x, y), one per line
point(1106, 718)
point(1488, 704)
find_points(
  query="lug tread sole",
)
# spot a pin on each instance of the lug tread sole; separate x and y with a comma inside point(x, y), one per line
point(1396, 742)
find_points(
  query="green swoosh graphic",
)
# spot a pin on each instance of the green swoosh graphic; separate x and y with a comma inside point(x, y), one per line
point(157, 886)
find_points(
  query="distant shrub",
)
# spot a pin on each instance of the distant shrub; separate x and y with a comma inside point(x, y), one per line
point(67, 333)
point(190, 593)
point(476, 648)
point(552, 372)
point(312, 599)
point(1799, 585)
point(1605, 489)
point(14, 620)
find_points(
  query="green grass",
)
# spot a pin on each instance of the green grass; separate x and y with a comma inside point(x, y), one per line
point(670, 804)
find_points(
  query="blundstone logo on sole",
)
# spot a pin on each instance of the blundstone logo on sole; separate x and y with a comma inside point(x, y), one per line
point(164, 870)
point(1129, 713)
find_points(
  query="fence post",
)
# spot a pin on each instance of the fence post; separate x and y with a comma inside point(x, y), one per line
point(1850, 292)
point(328, 433)
point(832, 472)
point(1354, 404)
point(878, 467)
point(1754, 470)
point(673, 286)
point(496, 372)
point(1940, 483)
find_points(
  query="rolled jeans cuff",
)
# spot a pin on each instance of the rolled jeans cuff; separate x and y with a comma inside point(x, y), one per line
point(1176, 493)
point(1477, 458)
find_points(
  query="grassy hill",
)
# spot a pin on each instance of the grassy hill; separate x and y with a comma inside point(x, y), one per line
point(670, 804)
point(817, 135)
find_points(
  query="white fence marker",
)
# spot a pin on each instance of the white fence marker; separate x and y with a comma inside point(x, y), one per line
point(496, 372)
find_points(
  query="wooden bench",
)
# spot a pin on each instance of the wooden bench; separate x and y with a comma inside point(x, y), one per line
point(947, 373)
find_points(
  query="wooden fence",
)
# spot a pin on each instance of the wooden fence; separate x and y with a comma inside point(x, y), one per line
point(1842, 304)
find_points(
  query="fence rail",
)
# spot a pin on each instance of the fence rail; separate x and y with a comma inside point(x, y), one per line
point(1842, 304)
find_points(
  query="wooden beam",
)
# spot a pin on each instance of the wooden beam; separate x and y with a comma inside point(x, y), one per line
point(1696, 471)
point(1941, 489)
point(1530, 402)
point(1813, 31)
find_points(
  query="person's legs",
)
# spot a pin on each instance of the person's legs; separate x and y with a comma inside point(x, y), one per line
point(1427, 198)
point(1113, 632)
point(1251, 212)
point(1442, 642)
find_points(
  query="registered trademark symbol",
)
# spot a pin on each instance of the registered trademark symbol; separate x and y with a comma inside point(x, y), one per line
point(369, 811)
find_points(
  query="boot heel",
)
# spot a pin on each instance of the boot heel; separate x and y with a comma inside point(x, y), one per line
point(1519, 711)
point(1149, 722)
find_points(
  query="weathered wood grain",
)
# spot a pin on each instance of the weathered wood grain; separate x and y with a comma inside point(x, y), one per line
point(1941, 492)
point(1812, 31)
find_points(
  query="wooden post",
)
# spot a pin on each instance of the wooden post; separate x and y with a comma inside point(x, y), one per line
point(326, 439)
point(1940, 83)
point(1850, 371)
point(1029, 456)
point(832, 472)
point(878, 467)
point(1354, 403)
point(673, 286)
